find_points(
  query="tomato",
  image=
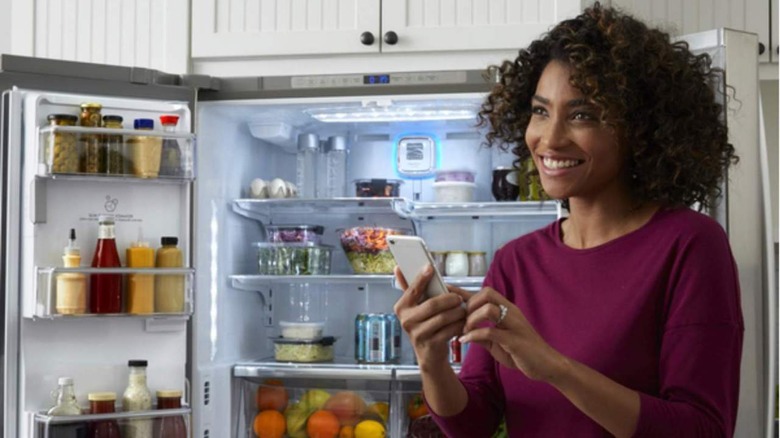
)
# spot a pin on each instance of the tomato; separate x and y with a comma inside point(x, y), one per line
point(272, 395)
point(416, 407)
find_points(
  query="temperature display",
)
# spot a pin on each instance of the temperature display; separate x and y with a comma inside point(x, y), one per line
point(376, 79)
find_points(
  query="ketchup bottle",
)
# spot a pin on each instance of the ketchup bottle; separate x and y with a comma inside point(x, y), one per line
point(105, 290)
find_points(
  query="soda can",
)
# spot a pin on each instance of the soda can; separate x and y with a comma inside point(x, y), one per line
point(360, 338)
point(394, 338)
point(455, 352)
point(464, 348)
point(376, 338)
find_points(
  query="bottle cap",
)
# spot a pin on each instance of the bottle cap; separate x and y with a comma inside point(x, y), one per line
point(112, 118)
point(137, 363)
point(169, 240)
point(337, 143)
point(63, 117)
point(140, 243)
point(169, 393)
point(101, 396)
point(143, 124)
point(102, 219)
point(308, 141)
point(72, 249)
point(91, 105)
point(65, 381)
point(169, 119)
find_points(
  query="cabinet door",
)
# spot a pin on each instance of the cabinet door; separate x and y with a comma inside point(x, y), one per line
point(223, 28)
point(440, 25)
point(691, 16)
point(774, 53)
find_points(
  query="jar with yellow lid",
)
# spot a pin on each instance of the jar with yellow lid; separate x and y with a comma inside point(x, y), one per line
point(477, 263)
point(94, 153)
point(173, 426)
point(457, 264)
point(61, 151)
point(103, 403)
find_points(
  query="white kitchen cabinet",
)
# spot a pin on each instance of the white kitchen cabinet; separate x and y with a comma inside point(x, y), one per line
point(691, 16)
point(257, 28)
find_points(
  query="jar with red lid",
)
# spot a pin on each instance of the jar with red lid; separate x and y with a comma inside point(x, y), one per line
point(172, 426)
point(103, 403)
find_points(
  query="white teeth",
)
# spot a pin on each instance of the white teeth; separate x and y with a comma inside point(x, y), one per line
point(559, 164)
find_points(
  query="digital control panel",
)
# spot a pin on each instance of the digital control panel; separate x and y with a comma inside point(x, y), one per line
point(378, 80)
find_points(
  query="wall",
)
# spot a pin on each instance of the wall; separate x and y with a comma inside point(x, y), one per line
point(5, 27)
point(769, 96)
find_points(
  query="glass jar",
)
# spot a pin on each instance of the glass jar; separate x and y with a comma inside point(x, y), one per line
point(477, 264)
point(103, 403)
point(174, 426)
point(145, 150)
point(61, 154)
point(438, 261)
point(457, 264)
point(113, 145)
point(94, 154)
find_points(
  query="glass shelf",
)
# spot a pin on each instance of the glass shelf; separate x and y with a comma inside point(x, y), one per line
point(261, 282)
point(264, 209)
point(62, 154)
point(340, 368)
point(74, 425)
point(44, 302)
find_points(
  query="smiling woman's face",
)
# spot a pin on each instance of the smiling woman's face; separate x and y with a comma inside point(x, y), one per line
point(576, 154)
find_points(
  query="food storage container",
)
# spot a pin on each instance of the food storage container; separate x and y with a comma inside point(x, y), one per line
point(462, 175)
point(296, 350)
point(366, 248)
point(307, 331)
point(301, 258)
point(294, 233)
point(454, 191)
point(383, 188)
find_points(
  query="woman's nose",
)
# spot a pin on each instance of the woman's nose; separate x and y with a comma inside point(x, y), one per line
point(554, 134)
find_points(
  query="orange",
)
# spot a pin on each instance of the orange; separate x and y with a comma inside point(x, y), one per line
point(271, 395)
point(322, 424)
point(347, 432)
point(269, 424)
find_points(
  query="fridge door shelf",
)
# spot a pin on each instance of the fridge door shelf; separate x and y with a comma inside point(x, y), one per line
point(44, 303)
point(264, 282)
point(47, 425)
point(60, 154)
point(265, 210)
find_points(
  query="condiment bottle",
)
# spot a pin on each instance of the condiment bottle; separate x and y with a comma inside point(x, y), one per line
point(93, 150)
point(66, 406)
point(337, 167)
point(103, 403)
point(62, 152)
point(140, 287)
point(105, 290)
point(306, 162)
point(114, 145)
point(137, 397)
point(71, 286)
point(170, 164)
point(146, 151)
point(169, 288)
point(174, 426)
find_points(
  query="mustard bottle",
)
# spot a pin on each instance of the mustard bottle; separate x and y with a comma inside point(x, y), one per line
point(140, 287)
point(169, 296)
point(71, 291)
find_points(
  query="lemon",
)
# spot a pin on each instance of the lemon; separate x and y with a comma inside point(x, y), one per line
point(369, 429)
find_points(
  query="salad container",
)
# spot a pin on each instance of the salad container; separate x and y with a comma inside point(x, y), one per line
point(301, 258)
point(382, 188)
point(295, 350)
point(294, 233)
point(367, 250)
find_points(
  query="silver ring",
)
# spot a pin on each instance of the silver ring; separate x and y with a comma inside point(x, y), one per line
point(503, 309)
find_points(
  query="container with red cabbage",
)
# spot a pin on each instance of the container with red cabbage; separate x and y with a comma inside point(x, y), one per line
point(366, 248)
point(294, 233)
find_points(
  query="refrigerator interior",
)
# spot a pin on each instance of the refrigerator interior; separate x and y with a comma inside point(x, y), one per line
point(93, 350)
point(243, 140)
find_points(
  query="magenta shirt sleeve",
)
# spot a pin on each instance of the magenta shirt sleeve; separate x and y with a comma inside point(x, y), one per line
point(700, 348)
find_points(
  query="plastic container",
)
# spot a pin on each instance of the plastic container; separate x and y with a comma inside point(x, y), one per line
point(454, 191)
point(303, 258)
point(366, 248)
point(307, 331)
point(294, 233)
point(291, 350)
point(381, 188)
point(455, 175)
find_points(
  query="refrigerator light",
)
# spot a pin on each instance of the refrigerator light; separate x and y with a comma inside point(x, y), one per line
point(393, 115)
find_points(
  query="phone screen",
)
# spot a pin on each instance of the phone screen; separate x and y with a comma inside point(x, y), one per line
point(412, 256)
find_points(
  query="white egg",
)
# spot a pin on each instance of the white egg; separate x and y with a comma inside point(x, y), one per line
point(277, 188)
point(292, 190)
point(258, 188)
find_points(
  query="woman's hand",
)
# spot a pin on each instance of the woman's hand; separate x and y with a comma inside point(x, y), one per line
point(430, 324)
point(512, 342)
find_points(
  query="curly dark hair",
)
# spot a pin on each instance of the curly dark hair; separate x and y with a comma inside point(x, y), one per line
point(656, 94)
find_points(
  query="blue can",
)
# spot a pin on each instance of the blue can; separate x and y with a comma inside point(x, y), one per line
point(394, 338)
point(360, 337)
point(376, 338)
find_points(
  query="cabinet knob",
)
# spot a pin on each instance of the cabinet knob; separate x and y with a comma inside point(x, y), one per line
point(761, 48)
point(391, 38)
point(367, 38)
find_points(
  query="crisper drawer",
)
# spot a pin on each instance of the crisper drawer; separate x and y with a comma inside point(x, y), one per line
point(169, 423)
point(313, 407)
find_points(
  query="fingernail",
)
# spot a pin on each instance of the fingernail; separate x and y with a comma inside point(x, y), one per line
point(463, 339)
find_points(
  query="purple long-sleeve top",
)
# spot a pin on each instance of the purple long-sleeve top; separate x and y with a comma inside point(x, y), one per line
point(656, 310)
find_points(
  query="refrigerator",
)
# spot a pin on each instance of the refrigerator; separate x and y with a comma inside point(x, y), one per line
point(220, 348)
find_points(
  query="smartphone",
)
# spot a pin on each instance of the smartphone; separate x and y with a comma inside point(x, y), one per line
point(411, 255)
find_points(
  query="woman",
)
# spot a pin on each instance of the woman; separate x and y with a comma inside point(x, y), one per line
point(623, 318)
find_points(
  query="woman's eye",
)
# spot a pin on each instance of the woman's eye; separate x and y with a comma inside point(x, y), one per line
point(538, 110)
point(580, 115)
